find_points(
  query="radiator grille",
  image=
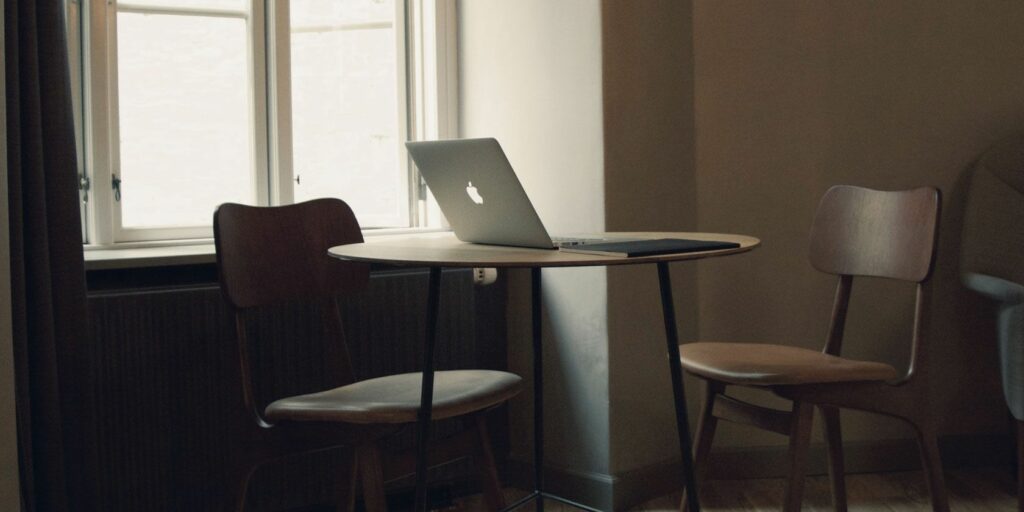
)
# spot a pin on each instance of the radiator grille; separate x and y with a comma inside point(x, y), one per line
point(167, 396)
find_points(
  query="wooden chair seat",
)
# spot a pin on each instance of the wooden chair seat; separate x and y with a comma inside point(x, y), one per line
point(396, 398)
point(753, 364)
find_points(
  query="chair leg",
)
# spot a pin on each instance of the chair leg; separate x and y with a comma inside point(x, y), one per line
point(489, 481)
point(238, 487)
point(836, 466)
point(932, 463)
point(1020, 466)
point(372, 471)
point(705, 434)
point(347, 482)
point(799, 440)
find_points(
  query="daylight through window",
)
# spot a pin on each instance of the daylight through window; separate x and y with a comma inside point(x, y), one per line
point(186, 104)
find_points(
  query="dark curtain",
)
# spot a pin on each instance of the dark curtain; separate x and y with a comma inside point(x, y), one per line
point(47, 276)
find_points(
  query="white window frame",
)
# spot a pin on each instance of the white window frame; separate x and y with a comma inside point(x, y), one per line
point(428, 98)
point(73, 27)
point(434, 102)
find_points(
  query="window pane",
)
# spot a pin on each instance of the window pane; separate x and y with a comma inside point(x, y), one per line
point(185, 118)
point(345, 107)
point(237, 5)
point(311, 13)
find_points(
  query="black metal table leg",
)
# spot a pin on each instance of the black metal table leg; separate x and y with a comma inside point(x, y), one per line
point(538, 388)
point(427, 391)
point(678, 393)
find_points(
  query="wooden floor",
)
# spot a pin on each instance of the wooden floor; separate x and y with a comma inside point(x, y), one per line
point(980, 490)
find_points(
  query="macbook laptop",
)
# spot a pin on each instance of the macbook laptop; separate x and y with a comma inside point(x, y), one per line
point(480, 195)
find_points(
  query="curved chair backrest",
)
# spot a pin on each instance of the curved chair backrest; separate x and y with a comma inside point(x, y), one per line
point(863, 232)
point(269, 255)
point(993, 236)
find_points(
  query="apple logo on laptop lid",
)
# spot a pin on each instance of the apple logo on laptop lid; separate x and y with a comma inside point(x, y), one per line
point(474, 194)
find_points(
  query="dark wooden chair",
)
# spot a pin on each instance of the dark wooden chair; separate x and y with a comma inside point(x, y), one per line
point(277, 256)
point(856, 232)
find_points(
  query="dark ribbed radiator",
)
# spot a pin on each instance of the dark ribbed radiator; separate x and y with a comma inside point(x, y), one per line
point(166, 393)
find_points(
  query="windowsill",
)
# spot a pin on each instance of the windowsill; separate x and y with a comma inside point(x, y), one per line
point(107, 258)
point(191, 252)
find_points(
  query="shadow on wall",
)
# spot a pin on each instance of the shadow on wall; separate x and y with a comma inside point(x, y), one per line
point(971, 339)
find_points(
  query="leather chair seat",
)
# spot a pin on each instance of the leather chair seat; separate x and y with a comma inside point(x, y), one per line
point(396, 398)
point(754, 364)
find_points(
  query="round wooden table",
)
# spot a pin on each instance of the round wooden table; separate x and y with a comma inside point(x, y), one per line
point(439, 250)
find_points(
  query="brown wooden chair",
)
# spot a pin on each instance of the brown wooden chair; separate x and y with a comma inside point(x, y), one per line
point(856, 232)
point(277, 256)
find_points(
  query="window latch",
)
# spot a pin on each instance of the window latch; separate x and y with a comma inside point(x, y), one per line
point(115, 183)
point(84, 184)
point(298, 179)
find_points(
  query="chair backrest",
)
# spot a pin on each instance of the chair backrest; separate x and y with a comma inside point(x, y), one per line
point(993, 235)
point(277, 256)
point(268, 255)
point(863, 232)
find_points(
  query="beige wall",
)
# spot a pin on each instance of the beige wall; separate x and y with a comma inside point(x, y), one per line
point(794, 96)
point(530, 76)
point(650, 184)
point(735, 116)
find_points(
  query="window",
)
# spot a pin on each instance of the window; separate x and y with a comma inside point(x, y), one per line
point(183, 105)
